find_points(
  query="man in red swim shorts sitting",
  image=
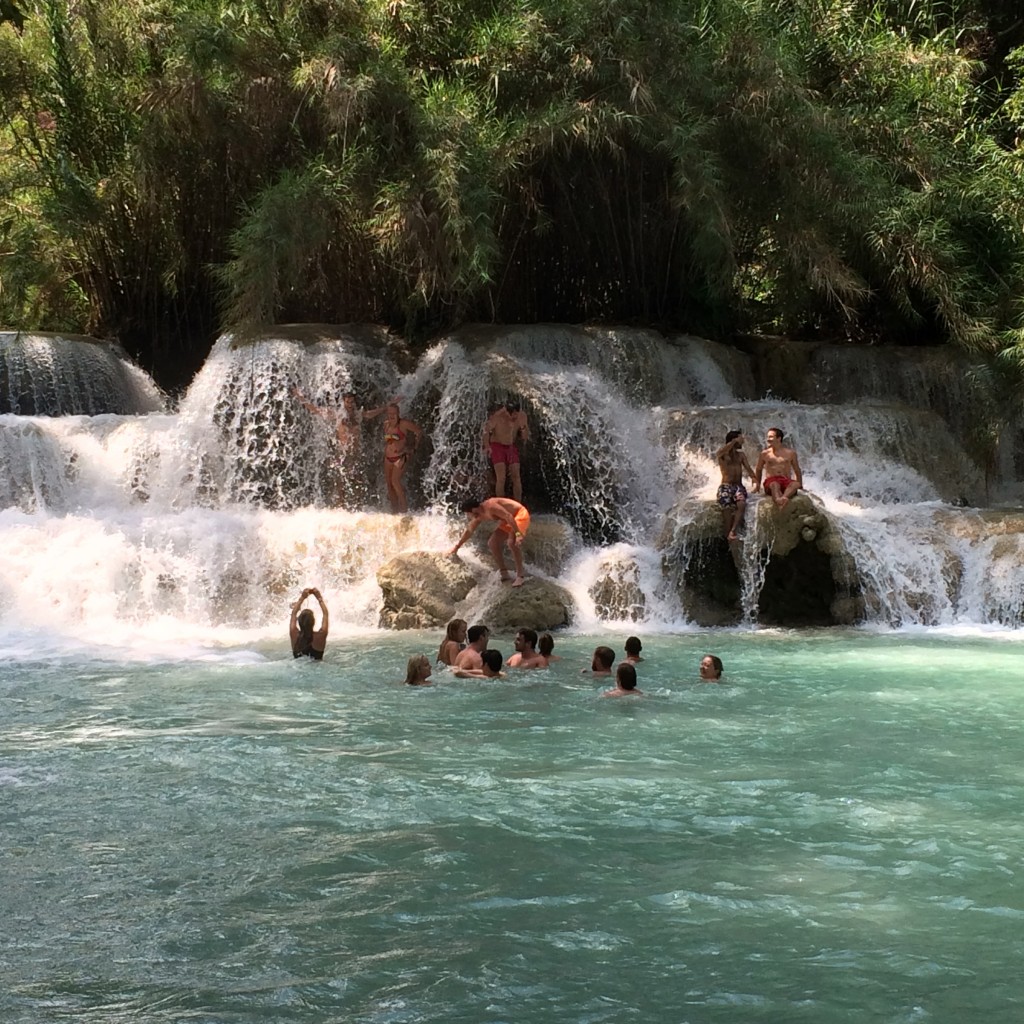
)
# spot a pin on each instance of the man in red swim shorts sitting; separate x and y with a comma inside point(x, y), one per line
point(784, 477)
point(513, 521)
point(504, 427)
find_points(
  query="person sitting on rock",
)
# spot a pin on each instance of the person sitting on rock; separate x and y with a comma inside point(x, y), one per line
point(781, 464)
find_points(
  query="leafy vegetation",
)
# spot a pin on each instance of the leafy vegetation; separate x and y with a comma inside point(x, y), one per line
point(838, 168)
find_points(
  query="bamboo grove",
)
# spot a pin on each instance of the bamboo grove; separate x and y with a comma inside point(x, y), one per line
point(815, 168)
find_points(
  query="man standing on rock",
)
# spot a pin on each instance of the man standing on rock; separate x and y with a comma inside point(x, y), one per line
point(784, 477)
point(513, 521)
point(732, 495)
point(504, 427)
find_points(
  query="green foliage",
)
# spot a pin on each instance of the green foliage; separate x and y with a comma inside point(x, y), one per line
point(840, 167)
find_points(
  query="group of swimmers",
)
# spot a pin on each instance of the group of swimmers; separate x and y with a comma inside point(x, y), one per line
point(465, 650)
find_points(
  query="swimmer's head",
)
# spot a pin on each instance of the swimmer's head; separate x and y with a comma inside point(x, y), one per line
point(732, 435)
point(305, 621)
point(546, 644)
point(471, 504)
point(492, 660)
point(604, 658)
point(711, 667)
point(633, 646)
point(512, 405)
point(475, 633)
point(625, 676)
point(777, 431)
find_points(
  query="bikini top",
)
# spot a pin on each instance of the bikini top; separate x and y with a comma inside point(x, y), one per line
point(392, 435)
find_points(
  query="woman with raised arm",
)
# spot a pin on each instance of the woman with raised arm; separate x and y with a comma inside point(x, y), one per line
point(308, 642)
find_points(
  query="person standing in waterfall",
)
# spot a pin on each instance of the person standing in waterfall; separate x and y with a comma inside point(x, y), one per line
point(401, 437)
point(513, 521)
point(348, 432)
point(732, 495)
point(306, 641)
point(504, 428)
point(782, 467)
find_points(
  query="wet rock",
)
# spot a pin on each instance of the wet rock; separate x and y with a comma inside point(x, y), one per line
point(538, 604)
point(421, 589)
point(617, 594)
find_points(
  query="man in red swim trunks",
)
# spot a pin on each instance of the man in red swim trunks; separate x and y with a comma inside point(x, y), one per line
point(784, 477)
point(504, 427)
point(513, 521)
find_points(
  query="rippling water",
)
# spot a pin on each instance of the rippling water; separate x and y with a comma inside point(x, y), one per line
point(834, 834)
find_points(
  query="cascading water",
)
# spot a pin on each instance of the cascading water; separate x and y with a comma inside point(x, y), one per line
point(59, 375)
point(204, 522)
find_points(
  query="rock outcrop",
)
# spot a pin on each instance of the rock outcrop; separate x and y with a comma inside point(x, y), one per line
point(421, 590)
point(790, 568)
point(425, 590)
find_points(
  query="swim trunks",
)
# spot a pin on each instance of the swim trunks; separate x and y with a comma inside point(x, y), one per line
point(782, 481)
point(731, 494)
point(522, 522)
point(507, 453)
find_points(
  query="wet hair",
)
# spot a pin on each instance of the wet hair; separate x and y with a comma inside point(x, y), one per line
point(732, 435)
point(530, 636)
point(347, 394)
point(512, 404)
point(778, 430)
point(449, 634)
point(475, 632)
point(305, 620)
point(625, 676)
point(546, 644)
point(471, 503)
point(717, 663)
point(492, 659)
point(633, 646)
point(604, 657)
point(417, 669)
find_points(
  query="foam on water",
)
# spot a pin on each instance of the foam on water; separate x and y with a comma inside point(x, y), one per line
point(197, 527)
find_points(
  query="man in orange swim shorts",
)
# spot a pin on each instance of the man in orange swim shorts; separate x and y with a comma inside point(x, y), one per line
point(513, 521)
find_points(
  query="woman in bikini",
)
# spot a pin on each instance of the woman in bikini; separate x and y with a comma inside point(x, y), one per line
point(400, 440)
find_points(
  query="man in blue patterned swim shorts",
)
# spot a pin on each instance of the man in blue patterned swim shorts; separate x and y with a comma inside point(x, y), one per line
point(732, 495)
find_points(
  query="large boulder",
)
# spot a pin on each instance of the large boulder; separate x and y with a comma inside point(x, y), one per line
point(421, 590)
point(791, 568)
point(538, 604)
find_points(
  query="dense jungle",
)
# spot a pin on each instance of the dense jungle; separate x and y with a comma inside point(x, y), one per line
point(820, 169)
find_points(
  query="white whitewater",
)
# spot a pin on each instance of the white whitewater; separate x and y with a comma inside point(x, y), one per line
point(197, 526)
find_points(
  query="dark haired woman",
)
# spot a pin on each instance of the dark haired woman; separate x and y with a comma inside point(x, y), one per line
point(308, 642)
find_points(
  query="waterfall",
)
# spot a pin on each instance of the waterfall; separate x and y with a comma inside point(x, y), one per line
point(205, 521)
point(59, 375)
